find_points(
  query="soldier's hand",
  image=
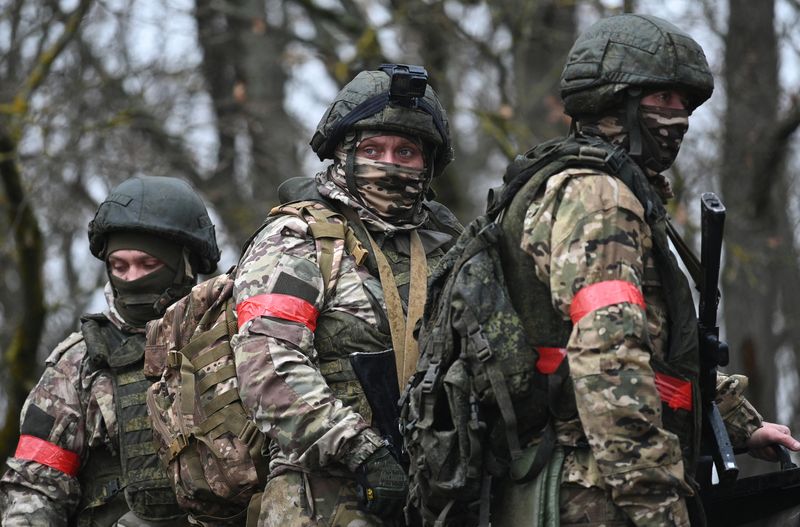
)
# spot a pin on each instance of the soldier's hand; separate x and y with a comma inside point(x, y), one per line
point(383, 483)
point(760, 443)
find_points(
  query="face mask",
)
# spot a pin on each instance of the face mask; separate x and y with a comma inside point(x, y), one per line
point(662, 133)
point(136, 300)
point(392, 191)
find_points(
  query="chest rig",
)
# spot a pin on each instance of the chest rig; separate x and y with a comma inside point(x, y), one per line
point(338, 334)
point(130, 478)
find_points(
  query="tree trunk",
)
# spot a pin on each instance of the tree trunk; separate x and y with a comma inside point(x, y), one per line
point(761, 258)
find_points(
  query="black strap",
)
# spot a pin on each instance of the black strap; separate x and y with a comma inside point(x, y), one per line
point(366, 109)
point(688, 257)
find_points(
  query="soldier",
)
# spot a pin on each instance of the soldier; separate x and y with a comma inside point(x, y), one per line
point(85, 454)
point(387, 136)
point(628, 421)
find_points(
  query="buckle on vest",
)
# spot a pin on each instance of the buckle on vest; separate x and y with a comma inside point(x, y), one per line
point(177, 445)
point(112, 488)
point(174, 359)
point(481, 345)
point(248, 433)
point(430, 377)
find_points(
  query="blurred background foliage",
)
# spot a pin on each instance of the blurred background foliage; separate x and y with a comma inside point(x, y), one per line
point(226, 93)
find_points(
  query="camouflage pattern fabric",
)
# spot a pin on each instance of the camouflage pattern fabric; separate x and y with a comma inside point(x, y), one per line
point(78, 402)
point(295, 378)
point(279, 369)
point(276, 360)
point(392, 192)
point(588, 227)
point(311, 501)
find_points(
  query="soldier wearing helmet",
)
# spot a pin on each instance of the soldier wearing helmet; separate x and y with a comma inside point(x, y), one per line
point(85, 454)
point(310, 315)
point(592, 235)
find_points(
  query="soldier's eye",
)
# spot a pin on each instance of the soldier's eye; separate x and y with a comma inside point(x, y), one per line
point(369, 151)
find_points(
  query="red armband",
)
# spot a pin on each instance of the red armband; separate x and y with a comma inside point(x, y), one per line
point(32, 448)
point(602, 294)
point(676, 393)
point(286, 307)
point(550, 359)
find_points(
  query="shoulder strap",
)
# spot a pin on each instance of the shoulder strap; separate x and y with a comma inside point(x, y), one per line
point(325, 232)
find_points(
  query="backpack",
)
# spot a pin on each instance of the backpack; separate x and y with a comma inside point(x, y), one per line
point(215, 456)
point(480, 379)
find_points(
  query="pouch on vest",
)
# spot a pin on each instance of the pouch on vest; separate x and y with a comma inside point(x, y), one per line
point(216, 458)
point(213, 452)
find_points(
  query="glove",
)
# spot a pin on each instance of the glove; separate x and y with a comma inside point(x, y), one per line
point(383, 484)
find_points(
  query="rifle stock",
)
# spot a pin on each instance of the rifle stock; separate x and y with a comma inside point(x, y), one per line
point(713, 352)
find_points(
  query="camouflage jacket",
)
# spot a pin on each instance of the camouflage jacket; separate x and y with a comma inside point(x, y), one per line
point(71, 407)
point(588, 227)
point(292, 362)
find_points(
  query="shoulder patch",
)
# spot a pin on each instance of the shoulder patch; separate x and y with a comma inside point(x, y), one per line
point(63, 346)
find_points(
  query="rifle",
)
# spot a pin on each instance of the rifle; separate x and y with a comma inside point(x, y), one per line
point(713, 352)
point(377, 373)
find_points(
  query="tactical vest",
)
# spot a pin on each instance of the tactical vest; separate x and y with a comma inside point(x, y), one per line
point(113, 483)
point(544, 325)
point(335, 328)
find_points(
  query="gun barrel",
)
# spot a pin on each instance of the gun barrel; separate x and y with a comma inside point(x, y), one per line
point(712, 227)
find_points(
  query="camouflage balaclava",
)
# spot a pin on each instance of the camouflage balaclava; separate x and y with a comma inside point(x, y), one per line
point(141, 300)
point(662, 130)
point(389, 195)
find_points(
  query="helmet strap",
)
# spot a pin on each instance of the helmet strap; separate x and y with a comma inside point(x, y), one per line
point(632, 118)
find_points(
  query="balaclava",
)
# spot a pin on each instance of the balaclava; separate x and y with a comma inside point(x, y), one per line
point(144, 299)
point(661, 131)
point(387, 195)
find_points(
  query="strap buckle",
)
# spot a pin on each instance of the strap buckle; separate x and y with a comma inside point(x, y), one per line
point(177, 445)
point(249, 432)
point(480, 345)
point(430, 377)
point(174, 359)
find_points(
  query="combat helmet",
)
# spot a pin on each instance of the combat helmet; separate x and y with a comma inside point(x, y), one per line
point(394, 98)
point(163, 206)
point(618, 57)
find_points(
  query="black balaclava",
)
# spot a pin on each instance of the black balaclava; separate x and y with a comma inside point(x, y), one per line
point(144, 299)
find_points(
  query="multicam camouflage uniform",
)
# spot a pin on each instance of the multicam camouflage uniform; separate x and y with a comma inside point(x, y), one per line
point(296, 378)
point(86, 455)
point(589, 227)
point(73, 407)
point(295, 338)
point(624, 462)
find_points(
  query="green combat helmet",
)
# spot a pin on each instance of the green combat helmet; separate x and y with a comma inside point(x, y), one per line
point(163, 206)
point(395, 98)
point(620, 56)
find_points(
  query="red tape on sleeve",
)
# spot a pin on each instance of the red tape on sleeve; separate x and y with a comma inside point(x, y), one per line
point(32, 448)
point(550, 359)
point(275, 305)
point(602, 294)
point(676, 393)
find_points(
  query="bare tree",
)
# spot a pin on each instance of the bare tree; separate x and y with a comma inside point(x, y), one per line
point(27, 318)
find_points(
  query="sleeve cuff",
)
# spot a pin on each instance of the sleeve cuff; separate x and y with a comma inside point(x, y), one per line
point(360, 447)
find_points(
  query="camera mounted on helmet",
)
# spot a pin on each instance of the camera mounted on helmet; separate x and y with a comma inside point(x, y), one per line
point(407, 83)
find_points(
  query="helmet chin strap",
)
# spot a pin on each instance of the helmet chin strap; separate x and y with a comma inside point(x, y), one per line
point(632, 122)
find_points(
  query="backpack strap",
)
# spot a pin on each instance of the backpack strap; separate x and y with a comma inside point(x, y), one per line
point(326, 231)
